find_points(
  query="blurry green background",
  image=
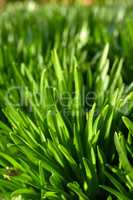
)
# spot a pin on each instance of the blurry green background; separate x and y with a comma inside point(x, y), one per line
point(73, 1)
point(69, 2)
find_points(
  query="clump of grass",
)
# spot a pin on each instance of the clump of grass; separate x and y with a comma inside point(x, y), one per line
point(66, 104)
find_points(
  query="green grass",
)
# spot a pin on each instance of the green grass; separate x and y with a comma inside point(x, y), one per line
point(66, 103)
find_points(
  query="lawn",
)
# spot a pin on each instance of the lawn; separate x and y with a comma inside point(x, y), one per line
point(66, 102)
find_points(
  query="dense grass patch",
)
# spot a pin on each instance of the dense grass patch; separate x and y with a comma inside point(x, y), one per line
point(66, 103)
